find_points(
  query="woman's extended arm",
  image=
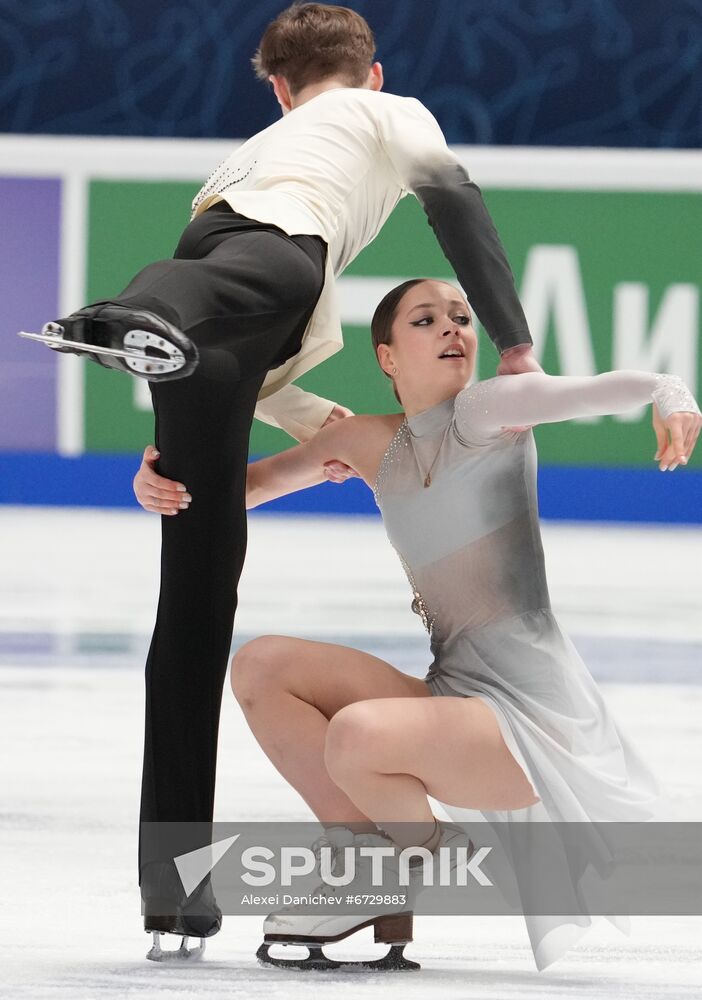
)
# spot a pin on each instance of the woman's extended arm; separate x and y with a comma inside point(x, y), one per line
point(291, 470)
point(484, 409)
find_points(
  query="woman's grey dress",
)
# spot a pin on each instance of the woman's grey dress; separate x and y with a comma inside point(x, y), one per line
point(471, 547)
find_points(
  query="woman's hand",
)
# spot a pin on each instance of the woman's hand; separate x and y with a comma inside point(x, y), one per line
point(337, 472)
point(683, 429)
point(154, 492)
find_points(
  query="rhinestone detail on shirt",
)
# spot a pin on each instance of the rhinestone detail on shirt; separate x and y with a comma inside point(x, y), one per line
point(221, 178)
point(398, 442)
point(671, 395)
point(394, 452)
point(471, 399)
point(419, 605)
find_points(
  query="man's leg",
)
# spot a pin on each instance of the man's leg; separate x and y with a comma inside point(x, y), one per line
point(202, 425)
point(202, 430)
point(171, 313)
point(227, 266)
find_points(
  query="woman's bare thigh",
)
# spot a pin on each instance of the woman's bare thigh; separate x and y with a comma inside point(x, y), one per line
point(454, 745)
point(329, 676)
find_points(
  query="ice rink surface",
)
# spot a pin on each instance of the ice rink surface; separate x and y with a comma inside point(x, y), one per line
point(78, 596)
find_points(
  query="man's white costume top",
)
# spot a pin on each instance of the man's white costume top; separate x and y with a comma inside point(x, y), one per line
point(335, 167)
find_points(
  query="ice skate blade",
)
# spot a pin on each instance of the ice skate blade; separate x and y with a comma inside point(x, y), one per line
point(393, 961)
point(51, 335)
point(182, 954)
point(135, 357)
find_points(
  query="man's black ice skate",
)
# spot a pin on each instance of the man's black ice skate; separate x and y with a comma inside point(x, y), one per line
point(167, 910)
point(135, 341)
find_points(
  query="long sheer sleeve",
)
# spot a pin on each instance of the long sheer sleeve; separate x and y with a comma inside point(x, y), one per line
point(484, 409)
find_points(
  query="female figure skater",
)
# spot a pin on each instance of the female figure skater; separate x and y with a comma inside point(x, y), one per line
point(508, 720)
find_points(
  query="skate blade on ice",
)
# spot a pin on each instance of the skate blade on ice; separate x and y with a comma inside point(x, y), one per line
point(182, 954)
point(392, 929)
point(394, 961)
point(168, 359)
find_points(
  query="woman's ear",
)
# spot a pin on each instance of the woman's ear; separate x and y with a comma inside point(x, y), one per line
point(384, 355)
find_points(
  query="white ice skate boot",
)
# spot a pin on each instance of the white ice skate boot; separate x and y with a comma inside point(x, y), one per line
point(437, 866)
point(392, 923)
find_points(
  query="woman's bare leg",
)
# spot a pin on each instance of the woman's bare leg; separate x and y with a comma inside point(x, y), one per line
point(289, 689)
point(387, 755)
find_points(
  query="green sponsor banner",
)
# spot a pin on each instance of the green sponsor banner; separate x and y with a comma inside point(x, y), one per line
point(608, 280)
point(130, 225)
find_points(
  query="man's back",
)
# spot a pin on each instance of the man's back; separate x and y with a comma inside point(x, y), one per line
point(335, 166)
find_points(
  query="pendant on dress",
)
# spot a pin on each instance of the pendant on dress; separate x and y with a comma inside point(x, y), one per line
point(427, 481)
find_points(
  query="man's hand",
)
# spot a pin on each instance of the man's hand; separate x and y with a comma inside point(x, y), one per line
point(338, 413)
point(154, 492)
point(516, 361)
point(676, 438)
point(337, 472)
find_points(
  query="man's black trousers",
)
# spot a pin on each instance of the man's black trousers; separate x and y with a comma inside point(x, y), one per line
point(243, 291)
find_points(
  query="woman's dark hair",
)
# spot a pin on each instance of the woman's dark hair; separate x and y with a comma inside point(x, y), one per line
point(310, 42)
point(384, 317)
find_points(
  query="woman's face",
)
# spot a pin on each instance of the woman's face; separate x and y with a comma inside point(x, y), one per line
point(433, 342)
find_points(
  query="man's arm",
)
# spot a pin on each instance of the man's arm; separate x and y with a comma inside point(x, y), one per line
point(456, 211)
point(297, 412)
point(300, 414)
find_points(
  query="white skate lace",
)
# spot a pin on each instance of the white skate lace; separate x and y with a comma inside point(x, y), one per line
point(337, 854)
point(671, 395)
point(459, 839)
point(316, 848)
point(416, 871)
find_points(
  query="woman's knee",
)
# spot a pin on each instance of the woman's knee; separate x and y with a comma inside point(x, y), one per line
point(352, 739)
point(257, 666)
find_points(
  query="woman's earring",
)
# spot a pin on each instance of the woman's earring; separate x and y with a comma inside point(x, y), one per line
point(394, 371)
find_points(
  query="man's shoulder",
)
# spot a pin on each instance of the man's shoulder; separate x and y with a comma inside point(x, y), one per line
point(378, 101)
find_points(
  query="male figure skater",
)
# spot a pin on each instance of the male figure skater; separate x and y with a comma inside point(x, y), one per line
point(222, 331)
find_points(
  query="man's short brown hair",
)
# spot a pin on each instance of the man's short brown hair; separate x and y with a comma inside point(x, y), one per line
point(309, 42)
